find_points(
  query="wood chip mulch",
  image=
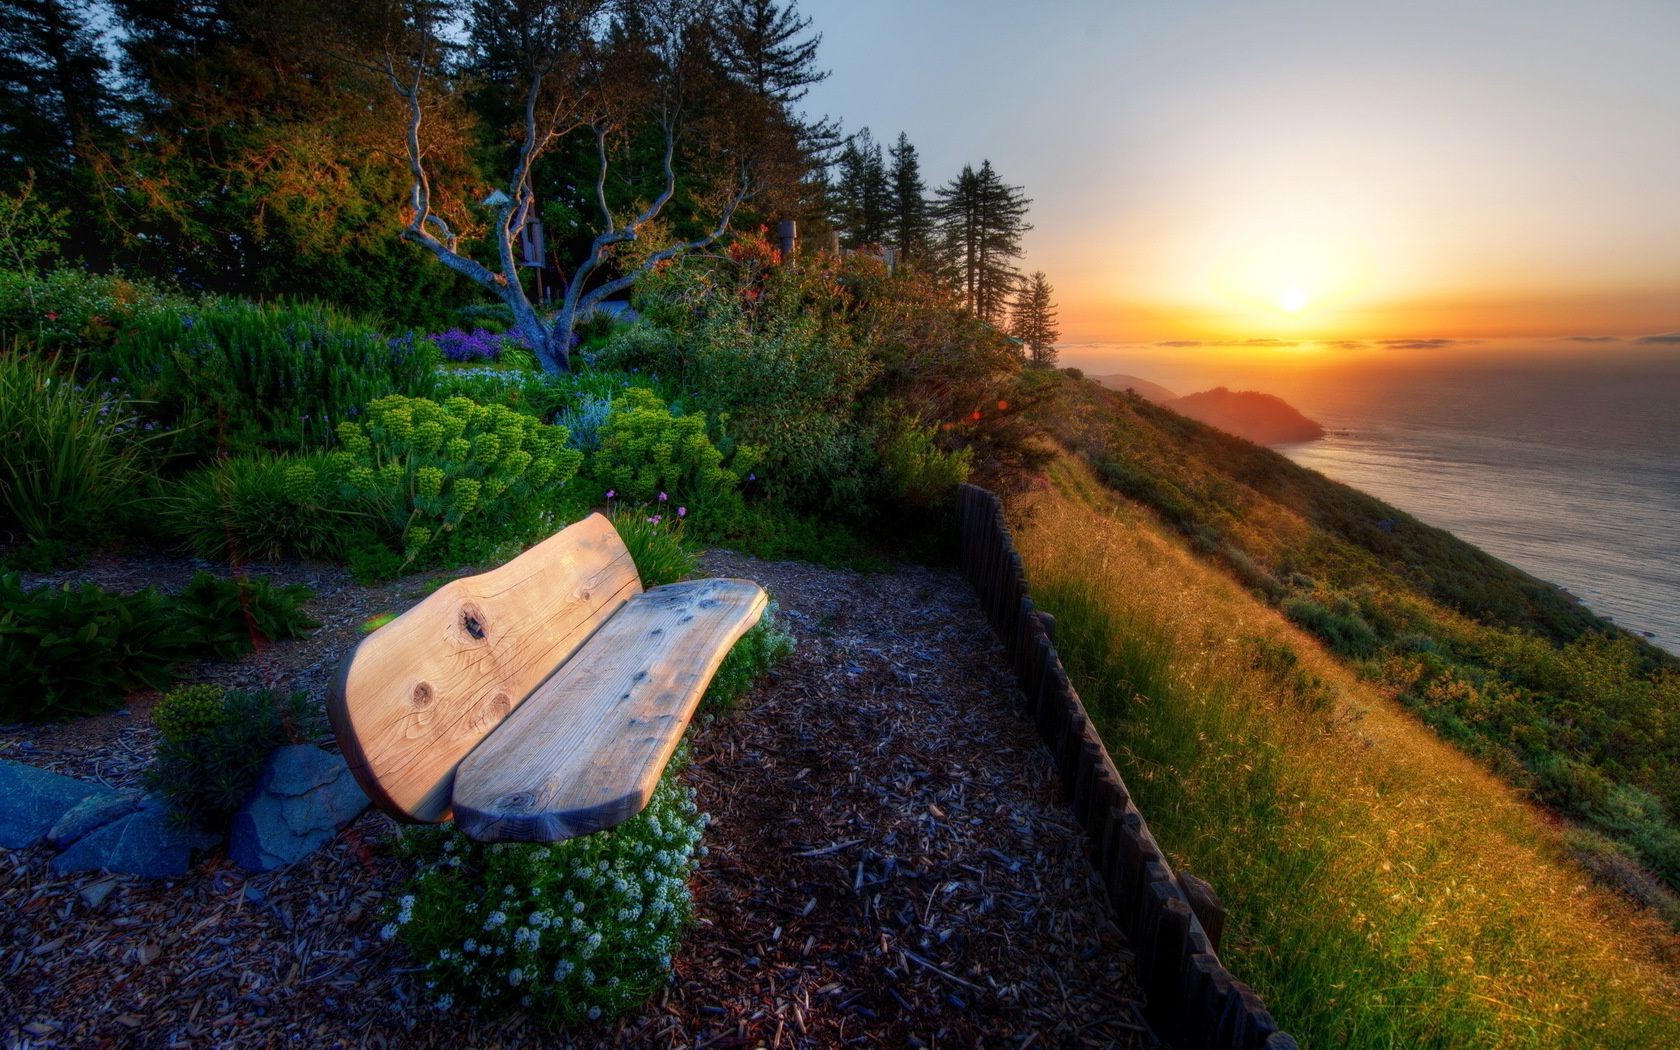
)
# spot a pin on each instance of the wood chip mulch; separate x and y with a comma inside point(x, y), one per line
point(890, 865)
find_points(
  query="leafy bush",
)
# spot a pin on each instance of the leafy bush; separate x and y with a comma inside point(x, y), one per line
point(654, 538)
point(69, 458)
point(529, 393)
point(759, 650)
point(1345, 631)
point(571, 931)
point(69, 311)
point(917, 470)
point(244, 377)
point(210, 756)
point(640, 348)
point(265, 507)
point(647, 449)
point(189, 711)
point(459, 480)
point(74, 651)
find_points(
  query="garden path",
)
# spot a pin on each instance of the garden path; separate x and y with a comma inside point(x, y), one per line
point(890, 865)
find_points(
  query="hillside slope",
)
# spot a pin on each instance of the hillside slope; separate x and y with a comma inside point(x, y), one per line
point(1264, 419)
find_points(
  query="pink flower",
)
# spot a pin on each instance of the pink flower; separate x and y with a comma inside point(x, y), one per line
point(655, 519)
point(611, 493)
point(662, 497)
point(682, 512)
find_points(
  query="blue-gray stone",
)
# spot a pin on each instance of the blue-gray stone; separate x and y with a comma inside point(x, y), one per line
point(302, 798)
point(32, 800)
point(91, 814)
point(149, 842)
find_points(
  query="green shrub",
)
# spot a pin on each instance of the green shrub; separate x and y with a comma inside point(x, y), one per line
point(647, 449)
point(69, 311)
point(531, 393)
point(208, 770)
point(225, 617)
point(241, 377)
point(654, 538)
point(770, 530)
point(265, 507)
point(189, 711)
point(458, 481)
point(69, 456)
point(571, 931)
point(1345, 631)
point(641, 348)
point(918, 472)
point(74, 651)
point(759, 650)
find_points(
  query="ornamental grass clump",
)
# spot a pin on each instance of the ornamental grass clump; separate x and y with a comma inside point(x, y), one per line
point(654, 537)
point(458, 480)
point(572, 931)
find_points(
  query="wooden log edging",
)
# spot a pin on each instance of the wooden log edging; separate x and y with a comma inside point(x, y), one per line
point(1192, 1000)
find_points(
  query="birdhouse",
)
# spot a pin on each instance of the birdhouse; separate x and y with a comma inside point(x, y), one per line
point(497, 199)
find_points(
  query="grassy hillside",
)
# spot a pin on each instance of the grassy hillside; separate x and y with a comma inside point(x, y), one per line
point(1385, 889)
point(1559, 702)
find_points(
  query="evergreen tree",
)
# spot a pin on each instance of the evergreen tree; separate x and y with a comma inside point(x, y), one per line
point(910, 222)
point(862, 192)
point(758, 44)
point(981, 221)
point(1033, 321)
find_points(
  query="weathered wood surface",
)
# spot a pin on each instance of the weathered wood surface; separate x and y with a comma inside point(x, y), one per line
point(585, 751)
point(417, 695)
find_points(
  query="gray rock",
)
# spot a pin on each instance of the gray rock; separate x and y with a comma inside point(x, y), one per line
point(32, 800)
point(148, 842)
point(302, 798)
point(91, 814)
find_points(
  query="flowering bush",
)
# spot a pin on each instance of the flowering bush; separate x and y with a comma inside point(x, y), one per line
point(480, 344)
point(654, 537)
point(571, 931)
point(459, 472)
point(647, 449)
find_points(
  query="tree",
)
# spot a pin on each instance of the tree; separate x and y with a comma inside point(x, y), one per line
point(576, 74)
point(981, 221)
point(53, 96)
point(911, 225)
point(757, 44)
point(862, 194)
point(1034, 320)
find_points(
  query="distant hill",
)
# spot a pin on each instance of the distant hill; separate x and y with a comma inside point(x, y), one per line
point(1142, 387)
point(1264, 419)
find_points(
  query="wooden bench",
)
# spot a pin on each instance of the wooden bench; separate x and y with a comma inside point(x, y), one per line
point(539, 700)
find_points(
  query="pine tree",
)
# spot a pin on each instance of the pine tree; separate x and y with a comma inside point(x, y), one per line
point(757, 44)
point(53, 97)
point(910, 221)
point(1033, 321)
point(981, 221)
point(862, 193)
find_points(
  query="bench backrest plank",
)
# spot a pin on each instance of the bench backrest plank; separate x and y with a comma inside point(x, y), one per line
point(585, 751)
point(417, 695)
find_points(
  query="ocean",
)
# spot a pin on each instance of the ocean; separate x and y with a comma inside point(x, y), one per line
point(1566, 467)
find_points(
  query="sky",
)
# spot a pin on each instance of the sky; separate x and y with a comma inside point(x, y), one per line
point(1291, 177)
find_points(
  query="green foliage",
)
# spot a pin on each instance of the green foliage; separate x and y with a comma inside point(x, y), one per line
point(532, 393)
point(654, 538)
point(571, 931)
point(207, 769)
point(189, 711)
point(764, 646)
point(265, 507)
point(69, 456)
point(1293, 683)
point(918, 471)
point(769, 530)
point(225, 617)
point(30, 229)
point(71, 311)
point(458, 481)
point(74, 651)
point(1343, 628)
point(648, 450)
point(240, 377)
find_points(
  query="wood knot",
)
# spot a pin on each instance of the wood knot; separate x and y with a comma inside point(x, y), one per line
point(517, 802)
point(500, 705)
point(423, 695)
point(472, 621)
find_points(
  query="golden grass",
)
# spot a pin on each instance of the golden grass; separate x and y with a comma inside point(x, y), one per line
point(1385, 889)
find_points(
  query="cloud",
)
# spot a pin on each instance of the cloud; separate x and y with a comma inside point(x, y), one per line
point(1666, 339)
point(1346, 344)
point(1591, 339)
point(1179, 342)
point(1421, 344)
point(1269, 342)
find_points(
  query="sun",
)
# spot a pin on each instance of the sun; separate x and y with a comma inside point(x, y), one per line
point(1293, 300)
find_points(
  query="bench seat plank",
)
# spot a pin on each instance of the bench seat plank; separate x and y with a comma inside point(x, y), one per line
point(417, 695)
point(586, 749)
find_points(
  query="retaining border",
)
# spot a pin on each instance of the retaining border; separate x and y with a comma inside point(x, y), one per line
point(1172, 921)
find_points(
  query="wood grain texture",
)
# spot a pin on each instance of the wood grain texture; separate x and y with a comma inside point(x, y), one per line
point(585, 751)
point(420, 693)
